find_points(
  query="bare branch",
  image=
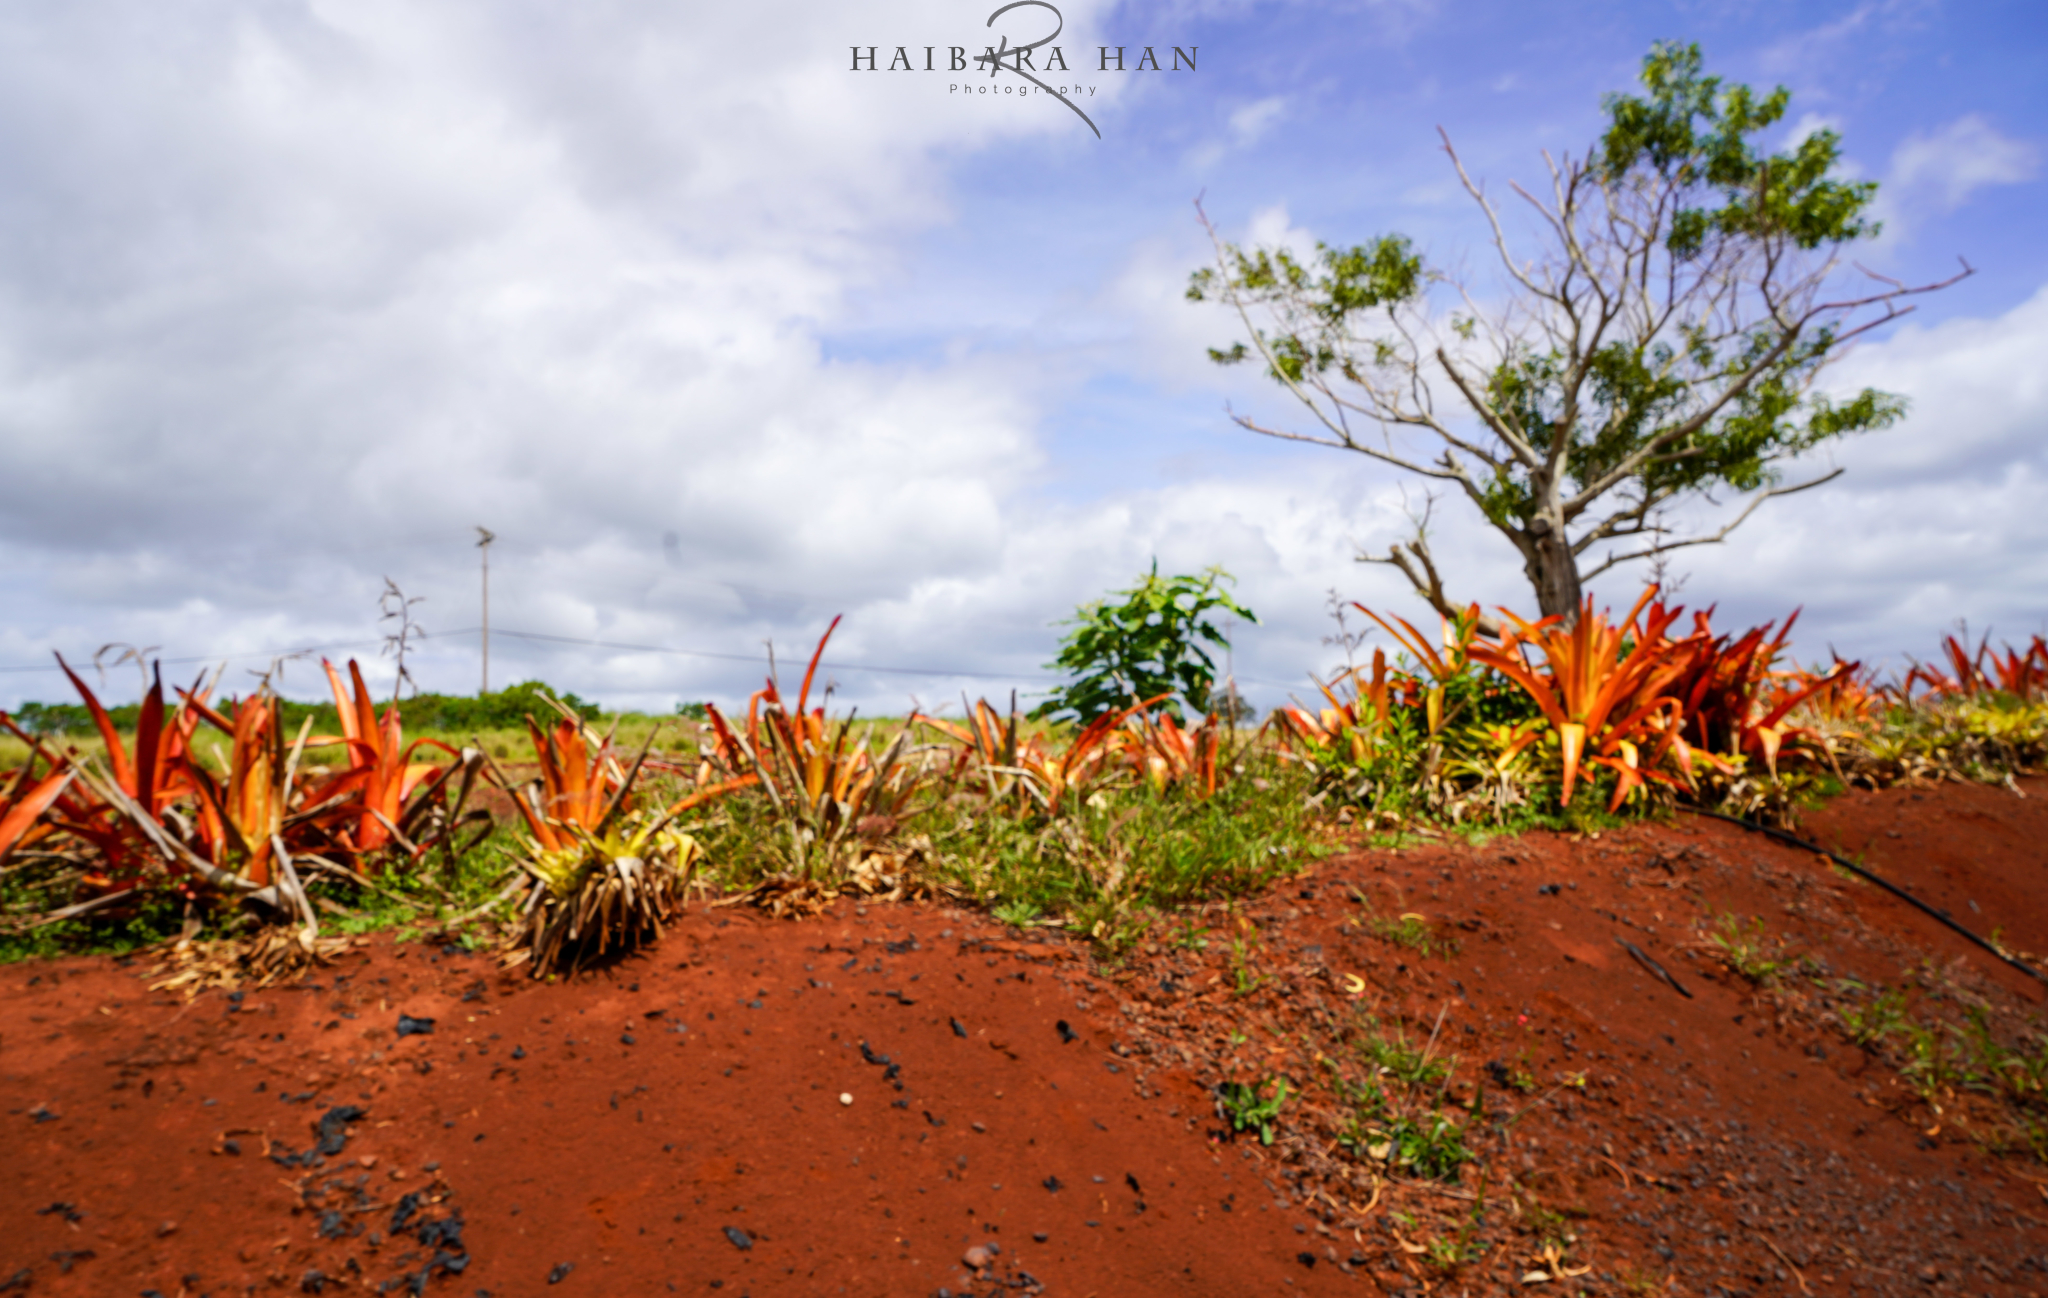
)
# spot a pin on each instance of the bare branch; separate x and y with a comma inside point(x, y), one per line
point(1515, 441)
point(1715, 537)
point(1500, 238)
point(1417, 565)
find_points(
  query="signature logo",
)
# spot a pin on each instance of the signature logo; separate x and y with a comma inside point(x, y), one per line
point(1023, 61)
point(1019, 55)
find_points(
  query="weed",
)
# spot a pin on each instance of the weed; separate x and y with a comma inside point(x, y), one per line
point(1518, 1076)
point(1110, 921)
point(1931, 1065)
point(1429, 1144)
point(1017, 914)
point(158, 917)
point(1393, 1054)
point(1991, 1066)
point(1433, 1147)
point(1742, 949)
point(1451, 1252)
point(1191, 937)
point(1246, 1106)
point(1549, 1227)
point(1636, 1280)
point(1410, 931)
point(1368, 1100)
point(1869, 1026)
point(1103, 866)
point(1244, 945)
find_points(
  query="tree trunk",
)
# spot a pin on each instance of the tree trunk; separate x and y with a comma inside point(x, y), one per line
point(1554, 571)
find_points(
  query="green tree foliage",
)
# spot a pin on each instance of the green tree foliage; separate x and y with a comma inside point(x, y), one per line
point(442, 713)
point(1147, 643)
point(1661, 344)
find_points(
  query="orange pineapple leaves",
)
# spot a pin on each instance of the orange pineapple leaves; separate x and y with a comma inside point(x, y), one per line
point(704, 795)
point(381, 771)
point(810, 673)
point(1051, 775)
point(1588, 679)
point(1571, 738)
point(1846, 695)
point(986, 736)
point(117, 754)
point(245, 816)
point(1624, 756)
point(1736, 702)
point(729, 750)
point(23, 811)
point(1458, 636)
point(577, 784)
point(157, 775)
point(1166, 753)
point(2023, 675)
point(74, 809)
point(1344, 720)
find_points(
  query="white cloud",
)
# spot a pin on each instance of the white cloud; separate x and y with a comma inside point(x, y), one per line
point(1811, 124)
point(1966, 155)
point(1979, 399)
point(1243, 127)
point(1823, 45)
point(1250, 123)
point(1937, 519)
point(289, 299)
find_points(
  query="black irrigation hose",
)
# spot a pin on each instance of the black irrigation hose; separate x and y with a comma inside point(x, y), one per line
point(1941, 916)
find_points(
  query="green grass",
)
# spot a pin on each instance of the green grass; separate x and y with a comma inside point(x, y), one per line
point(1253, 1106)
point(1108, 868)
point(1742, 948)
point(411, 900)
point(156, 920)
point(1394, 1054)
point(1410, 932)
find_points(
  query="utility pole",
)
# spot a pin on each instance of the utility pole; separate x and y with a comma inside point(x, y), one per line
point(483, 543)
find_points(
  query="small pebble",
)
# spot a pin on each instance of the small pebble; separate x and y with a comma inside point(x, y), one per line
point(845, 1097)
point(977, 1258)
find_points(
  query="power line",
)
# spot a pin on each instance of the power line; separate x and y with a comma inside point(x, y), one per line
point(756, 659)
point(234, 657)
point(836, 666)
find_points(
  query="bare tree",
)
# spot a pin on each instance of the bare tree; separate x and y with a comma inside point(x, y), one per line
point(1660, 344)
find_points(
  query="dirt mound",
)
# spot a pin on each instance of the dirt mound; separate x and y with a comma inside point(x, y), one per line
point(1631, 1113)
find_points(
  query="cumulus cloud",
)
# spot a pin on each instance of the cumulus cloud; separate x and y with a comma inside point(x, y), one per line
point(1833, 40)
point(291, 298)
point(1811, 124)
point(1936, 519)
point(1966, 155)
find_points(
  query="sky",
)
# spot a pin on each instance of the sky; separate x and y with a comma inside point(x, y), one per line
point(723, 336)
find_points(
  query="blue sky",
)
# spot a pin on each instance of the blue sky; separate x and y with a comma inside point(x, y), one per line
point(723, 339)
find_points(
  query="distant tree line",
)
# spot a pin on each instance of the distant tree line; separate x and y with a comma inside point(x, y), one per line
point(442, 713)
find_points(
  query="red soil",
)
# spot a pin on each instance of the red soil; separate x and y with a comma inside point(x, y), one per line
point(675, 1124)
